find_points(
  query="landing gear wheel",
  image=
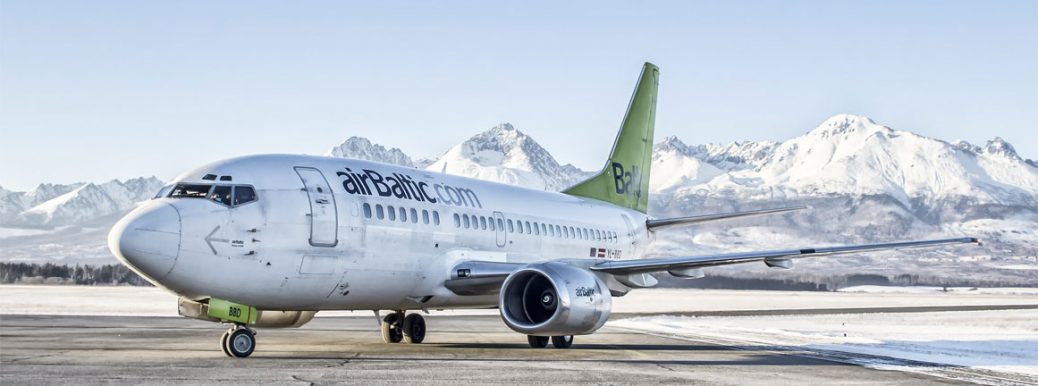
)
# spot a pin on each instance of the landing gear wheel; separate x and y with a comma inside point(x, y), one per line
point(223, 342)
point(241, 343)
point(414, 328)
point(537, 341)
point(562, 341)
point(391, 328)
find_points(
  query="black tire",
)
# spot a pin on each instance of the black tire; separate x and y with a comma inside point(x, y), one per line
point(562, 341)
point(414, 328)
point(223, 342)
point(537, 341)
point(391, 328)
point(241, 343)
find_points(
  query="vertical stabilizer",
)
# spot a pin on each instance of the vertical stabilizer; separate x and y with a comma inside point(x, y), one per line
point(624, 180)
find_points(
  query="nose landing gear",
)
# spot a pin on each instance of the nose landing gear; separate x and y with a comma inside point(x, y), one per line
point(238, 342)
point(397, 327)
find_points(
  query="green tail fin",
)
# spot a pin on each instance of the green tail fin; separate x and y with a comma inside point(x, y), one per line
point(624, 180)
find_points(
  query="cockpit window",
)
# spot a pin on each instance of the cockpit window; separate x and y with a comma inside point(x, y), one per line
point(244, 195)
point(190, 191)
point(163, 192)
point(221, 194)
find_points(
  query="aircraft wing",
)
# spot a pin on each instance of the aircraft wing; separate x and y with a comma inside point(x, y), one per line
point(663, 223)
point(777, 258)
point(485, 277)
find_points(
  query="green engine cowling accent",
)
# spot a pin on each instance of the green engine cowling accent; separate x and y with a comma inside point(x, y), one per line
point(231, 311)
point(624, 180)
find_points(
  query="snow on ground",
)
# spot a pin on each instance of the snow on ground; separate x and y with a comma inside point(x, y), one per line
point(876, 289)
point(20, 232)
point(1000, 341)
point(152, 301)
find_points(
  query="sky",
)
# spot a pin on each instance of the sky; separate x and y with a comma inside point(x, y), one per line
point(96, 90)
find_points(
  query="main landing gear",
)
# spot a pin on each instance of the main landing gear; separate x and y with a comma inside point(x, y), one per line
point(562, 341)
point(238, 342)
point(397, 327)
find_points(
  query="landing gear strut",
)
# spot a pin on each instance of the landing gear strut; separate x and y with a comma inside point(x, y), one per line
point(397, 327)
point(238, 342)
point(562, 341)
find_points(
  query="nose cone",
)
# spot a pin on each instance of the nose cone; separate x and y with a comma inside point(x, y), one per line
point(148, 239)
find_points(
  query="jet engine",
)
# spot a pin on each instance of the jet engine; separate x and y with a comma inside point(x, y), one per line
point(550, 299)
point(264, 318)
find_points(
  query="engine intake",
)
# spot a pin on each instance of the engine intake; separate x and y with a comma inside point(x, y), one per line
point(549, 299)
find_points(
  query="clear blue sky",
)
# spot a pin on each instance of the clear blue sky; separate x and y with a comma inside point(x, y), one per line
point(94, 90)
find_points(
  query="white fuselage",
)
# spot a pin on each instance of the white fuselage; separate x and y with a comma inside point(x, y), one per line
point(329, 243)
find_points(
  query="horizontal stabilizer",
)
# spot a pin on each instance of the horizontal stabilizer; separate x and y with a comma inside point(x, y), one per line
point(654, 224)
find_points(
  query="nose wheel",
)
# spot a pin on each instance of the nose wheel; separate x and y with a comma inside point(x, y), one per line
point(238, 342)
point(397, 327)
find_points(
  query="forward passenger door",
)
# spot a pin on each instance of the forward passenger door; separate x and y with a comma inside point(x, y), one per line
point(324, 218)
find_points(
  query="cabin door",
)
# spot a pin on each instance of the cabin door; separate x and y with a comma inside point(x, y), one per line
point(324, 219)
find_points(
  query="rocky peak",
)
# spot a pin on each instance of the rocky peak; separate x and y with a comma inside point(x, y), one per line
point(999, 146)
point(362, 148)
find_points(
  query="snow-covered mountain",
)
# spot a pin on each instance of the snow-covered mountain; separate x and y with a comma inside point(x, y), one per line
point(863, 181)
point(852, 155)
point(504, 154)
point(362, 148)
point(50, 205)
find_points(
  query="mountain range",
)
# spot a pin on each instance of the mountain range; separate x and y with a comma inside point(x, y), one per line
point(863, 181)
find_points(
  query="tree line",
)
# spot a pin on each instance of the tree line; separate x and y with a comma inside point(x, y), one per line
point(31, 273)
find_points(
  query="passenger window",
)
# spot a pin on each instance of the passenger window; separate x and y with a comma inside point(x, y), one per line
point(190, 191)
point(457, 221)
point(367, 210)
point(378, 212)
point(527, 224)
point(425, 216)
point(544, 229)
point(491, 223)
point(391, 213)
point(467, 221)
point(403, 215)
point(414, 216)
point(520, 223)
point(221, 194)
point(501, 224)
point(551, 231)
point(482, 223)
point(436, 218)
point(511, 227)
point(584, 231)
point(597, 235)
point(244, 195)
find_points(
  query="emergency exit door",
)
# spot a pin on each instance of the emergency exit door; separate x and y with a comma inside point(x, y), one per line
point(324, 219)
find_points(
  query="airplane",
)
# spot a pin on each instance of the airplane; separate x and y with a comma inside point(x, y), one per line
point(267, 241)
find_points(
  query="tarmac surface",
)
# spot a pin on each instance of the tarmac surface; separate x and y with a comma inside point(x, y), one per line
point(68, 349)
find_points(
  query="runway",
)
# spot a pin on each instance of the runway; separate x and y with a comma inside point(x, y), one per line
point(479, 349)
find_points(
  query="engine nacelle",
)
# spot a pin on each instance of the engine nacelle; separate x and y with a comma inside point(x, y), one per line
point(263, 318)
point(284, 319)
point(550, 299)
